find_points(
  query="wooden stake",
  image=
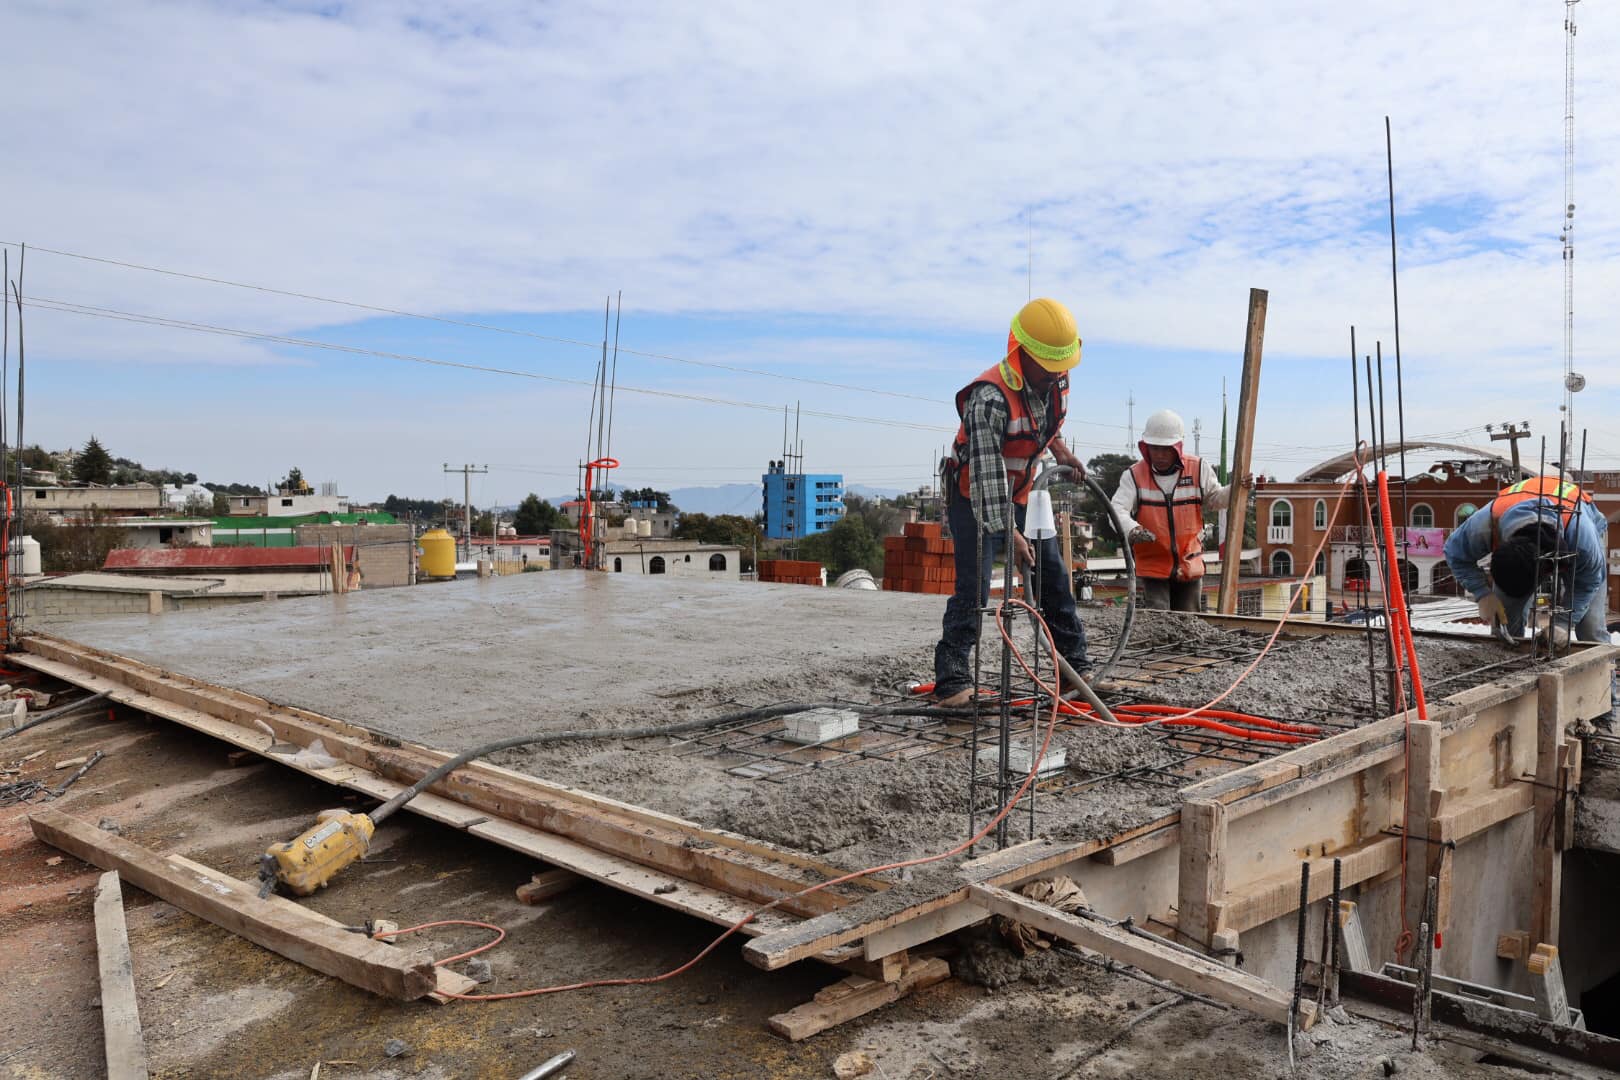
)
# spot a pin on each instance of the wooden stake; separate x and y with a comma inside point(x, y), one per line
point(1238, 504)
point(120, 1019)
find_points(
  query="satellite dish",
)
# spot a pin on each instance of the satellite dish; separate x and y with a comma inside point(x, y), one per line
point(1574, 382)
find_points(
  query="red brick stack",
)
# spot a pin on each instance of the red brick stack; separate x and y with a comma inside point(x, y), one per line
point(790, 571)
point(921, 561)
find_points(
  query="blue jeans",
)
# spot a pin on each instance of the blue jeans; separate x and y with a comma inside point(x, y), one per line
point(953, 656)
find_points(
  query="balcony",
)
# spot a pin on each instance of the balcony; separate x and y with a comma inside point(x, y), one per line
point(1418, 541)
point(1279, 534)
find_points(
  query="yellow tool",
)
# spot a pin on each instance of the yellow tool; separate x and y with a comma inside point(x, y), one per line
point(309, 861)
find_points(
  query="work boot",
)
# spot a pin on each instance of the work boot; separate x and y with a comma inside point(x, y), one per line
point(958, 700)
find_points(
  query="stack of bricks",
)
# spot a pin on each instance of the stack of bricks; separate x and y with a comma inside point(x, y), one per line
point(921, 561)
point(790, 571)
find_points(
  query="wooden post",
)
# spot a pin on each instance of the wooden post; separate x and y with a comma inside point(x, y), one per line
point(1065, 524)
point(1548, 857)
point(1423, 849)
point(1238, 504)
point(1202, 875)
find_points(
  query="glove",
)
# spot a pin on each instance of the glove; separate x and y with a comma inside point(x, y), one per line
point(1491, 610)
point(1140, 535)
point(1549, 630)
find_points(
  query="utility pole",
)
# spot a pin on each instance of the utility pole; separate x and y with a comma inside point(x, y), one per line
point(1511, 433)
point(1130, 423)
point(466, 472)
point(1198, 431)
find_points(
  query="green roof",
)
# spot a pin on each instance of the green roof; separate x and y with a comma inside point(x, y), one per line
point(369, 517)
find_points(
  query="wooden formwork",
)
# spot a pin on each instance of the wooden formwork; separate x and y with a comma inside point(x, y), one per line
point(1481, 791)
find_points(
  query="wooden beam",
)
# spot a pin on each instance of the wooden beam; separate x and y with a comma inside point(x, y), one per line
point(739, 865)
point(1423, 797)
point(120, 1017)
point(1197, 973)
point(1273, 897)
point(1201, 882)
point(855, 996)
point(445, 981)
point(1353, 953)
point(234, 906)
point(546, 884)
point(1238, 502)
point(1548, 896)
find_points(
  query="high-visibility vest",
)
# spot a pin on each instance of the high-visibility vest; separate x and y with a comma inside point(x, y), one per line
point(1023, 444)
point(1176, 522)
point(1552, 493)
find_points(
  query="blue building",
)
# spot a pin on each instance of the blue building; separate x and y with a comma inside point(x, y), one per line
point(801, 504)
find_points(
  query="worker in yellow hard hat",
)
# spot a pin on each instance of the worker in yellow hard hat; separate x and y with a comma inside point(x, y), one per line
point(1010, 416)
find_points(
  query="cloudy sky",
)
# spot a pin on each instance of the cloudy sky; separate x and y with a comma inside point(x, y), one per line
point(829, 204)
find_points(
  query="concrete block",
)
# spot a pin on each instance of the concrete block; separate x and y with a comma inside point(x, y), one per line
point(820, 725)
point(1019, 756)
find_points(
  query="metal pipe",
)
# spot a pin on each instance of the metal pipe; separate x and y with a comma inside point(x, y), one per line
point(1361, 534)
point(52, 714)
point(550, 1067)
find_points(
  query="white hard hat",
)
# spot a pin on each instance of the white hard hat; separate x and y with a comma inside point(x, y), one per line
point(1164, 428)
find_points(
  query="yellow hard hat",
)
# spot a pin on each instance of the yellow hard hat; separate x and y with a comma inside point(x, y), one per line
point(1046, 330)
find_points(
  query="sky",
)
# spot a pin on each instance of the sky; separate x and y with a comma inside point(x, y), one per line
point(834, 205)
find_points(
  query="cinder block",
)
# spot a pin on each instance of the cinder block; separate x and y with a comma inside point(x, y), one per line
point(820, 725)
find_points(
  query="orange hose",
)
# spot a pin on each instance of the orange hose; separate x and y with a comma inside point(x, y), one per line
point(1401, 618)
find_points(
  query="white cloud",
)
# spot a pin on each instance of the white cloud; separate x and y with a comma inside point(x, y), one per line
point(841, 161)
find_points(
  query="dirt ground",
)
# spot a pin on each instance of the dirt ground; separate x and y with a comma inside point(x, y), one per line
point(213, 1005)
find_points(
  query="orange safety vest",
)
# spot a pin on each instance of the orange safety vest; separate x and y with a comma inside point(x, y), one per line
point(1565, 496)
point(1023, 444)
point(1177, 523)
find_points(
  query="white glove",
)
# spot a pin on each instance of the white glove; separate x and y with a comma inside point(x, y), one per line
point(1140, 535)
point(1491, 610)
point(1547, 628)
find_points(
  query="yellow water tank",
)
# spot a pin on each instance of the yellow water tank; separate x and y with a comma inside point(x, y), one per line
point(438, 554)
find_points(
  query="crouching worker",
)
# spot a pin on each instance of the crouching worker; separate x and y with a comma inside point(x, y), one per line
point(1010, 416)
point(1527, 531)
point(1160, 502)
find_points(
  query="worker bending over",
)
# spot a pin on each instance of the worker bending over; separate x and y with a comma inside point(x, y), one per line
point(1526, 531)
point(1010, 416)
point(1160, 503)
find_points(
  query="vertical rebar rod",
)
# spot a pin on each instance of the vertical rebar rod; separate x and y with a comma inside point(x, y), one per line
point(1535, 587)
point(1395, 567)
point(1004, 735)
point(1333, 920)
point(1395, 296)
point(15, 612)
point(1361, 533)
point(613, 390)
point(1376, 429)
point(1299, 949)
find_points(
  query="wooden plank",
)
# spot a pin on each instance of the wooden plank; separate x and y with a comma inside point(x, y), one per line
point(1197, 973)
point(855, 996)
point(120, 1016)
point(547, 884)
point(1423, 796)
point(1513, 945)
point(1466, 817)
point(391, 972)
point(1201, 881)
point(445, 981)
point(1353, 952)
point(1273, 897)
point(730, 863)
point(1548, 896)
point(1135, 848)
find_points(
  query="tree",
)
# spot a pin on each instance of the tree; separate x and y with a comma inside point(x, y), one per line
point(846, 546)
point(77, 544)
point(535, 516)
point(646, 494)
point(722, 529)
point(484, 524)
point(882, 517)
point(222, 504)
point(199, 505)
point(1105, 469)
point(293, 482)
point(93, 465)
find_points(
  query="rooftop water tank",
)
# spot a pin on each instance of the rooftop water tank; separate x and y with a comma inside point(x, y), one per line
point(25, 556)
point(438, 554)
point(644, 527)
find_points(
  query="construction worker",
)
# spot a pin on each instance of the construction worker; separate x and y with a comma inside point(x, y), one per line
point(1010, 416)
point(1528, 531)
point(1160, 502)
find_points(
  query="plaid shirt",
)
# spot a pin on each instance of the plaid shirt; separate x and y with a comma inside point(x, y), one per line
point(985, 421)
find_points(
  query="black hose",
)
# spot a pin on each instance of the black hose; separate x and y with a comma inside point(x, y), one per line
point(678, 728)
point(1044, 480)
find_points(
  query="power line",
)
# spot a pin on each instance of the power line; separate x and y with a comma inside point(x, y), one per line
point(70, 308)
point(471, 325)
